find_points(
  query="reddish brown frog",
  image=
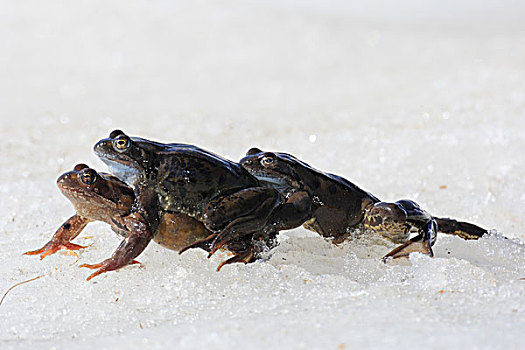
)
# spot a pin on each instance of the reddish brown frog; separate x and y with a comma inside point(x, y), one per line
point(103, 197)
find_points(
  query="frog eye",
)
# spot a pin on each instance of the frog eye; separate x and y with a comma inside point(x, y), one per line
point(121, 143)
point(79, 167)
point(88, 177)
point(265, 161)
point(253, 151)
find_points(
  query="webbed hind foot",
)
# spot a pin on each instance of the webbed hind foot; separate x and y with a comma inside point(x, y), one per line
point(245, 257)
point(415, 245)
point(104, 266)
point(204, 244)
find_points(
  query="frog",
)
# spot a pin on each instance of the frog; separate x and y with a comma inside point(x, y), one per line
point(98, 196)
point(186, 179)
point(339, 207)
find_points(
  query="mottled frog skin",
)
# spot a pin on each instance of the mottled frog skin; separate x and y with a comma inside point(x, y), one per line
point(186, 179)
point(338, 205)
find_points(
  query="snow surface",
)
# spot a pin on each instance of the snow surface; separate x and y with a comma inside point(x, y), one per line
point(408, 101)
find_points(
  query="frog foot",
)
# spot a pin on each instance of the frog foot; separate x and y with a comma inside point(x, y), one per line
point(216, 247)
point(411, 246)
point(105, 266)
point(234, 230)
point(203, 243)
point(52, 247)
point(245, 257)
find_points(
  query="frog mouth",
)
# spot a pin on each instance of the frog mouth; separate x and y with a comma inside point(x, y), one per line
point(123, 169)
point(270, 179)
point(117, 160)
point(112, 161)
point(75, 193)
point(103, 150)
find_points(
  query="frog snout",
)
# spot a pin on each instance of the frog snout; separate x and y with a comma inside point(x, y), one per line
point(246, 161)
point(64, 178)
point(98, 147)
point(61, 178)
point(102, 146)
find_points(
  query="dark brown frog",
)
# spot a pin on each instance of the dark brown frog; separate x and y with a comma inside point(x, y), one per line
point(339, 206)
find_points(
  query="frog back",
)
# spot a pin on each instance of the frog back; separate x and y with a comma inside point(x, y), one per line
point(338, 204)
point(189, 177)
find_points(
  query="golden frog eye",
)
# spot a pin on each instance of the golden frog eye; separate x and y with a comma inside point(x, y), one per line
point(88, 177)
point(265, 161)
point(121, 143)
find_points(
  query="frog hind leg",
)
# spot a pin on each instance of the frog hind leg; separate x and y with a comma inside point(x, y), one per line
point(246, 225)
point(461, 229)
point(239, 214)
point(62, 238)
point(267, 214)
point(138, 237)
point(222, 210)
point(246, 257)
point(204, 243)
point(395, 221)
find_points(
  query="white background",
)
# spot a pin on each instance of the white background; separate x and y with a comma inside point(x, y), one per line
point(408, 101)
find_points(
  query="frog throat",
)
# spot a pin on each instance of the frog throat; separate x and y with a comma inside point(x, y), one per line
point(123, 170)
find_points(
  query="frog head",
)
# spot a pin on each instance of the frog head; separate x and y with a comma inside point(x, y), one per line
point(275, 168)
point(129, 158)
point(93, 194)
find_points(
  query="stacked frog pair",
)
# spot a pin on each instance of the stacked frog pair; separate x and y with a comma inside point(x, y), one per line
point(182, 197)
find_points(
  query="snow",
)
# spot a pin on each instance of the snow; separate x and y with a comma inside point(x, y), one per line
point(407, 101)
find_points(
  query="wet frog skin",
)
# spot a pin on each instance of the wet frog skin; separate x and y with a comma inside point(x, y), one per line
point(186, 179)
point(103, 197)
point(338, 205)
point(256, 231)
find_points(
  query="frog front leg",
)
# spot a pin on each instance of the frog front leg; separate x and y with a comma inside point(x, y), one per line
point(394, 221)
point(62, 238)
point(138, 237)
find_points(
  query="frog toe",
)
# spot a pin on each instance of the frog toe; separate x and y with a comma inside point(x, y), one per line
point(411, 246)
point(203, 244)
point(53, 247)
point(244, 257)
point(105, 266)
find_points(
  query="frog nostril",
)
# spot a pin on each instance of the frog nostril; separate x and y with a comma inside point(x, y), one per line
point(62, 178)
point(99, 147)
